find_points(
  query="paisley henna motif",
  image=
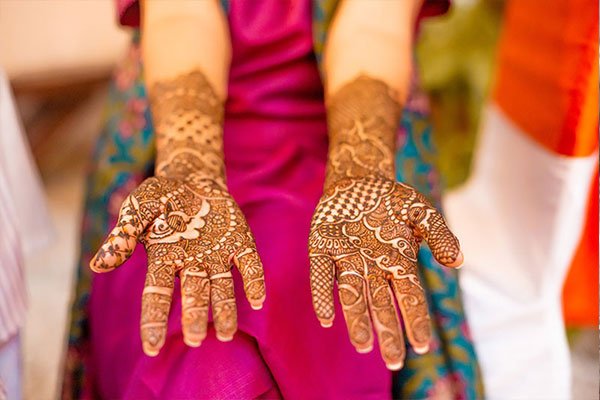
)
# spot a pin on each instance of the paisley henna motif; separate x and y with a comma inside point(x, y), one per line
point(367, 229)
point(192, 229)
point(187, 221)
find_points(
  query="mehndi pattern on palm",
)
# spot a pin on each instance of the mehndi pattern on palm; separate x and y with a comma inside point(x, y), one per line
point(192, 229)
point(367, 228)
point(189, 224)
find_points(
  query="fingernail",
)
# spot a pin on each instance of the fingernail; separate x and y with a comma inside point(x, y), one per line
point(327, 324)
point(192, 342)
point(395, 367)
point(422, 349)
point(364, 350)
point(99, 265)
point(150, 350)
point(222, 338)
point(257, 304)
point(458, 261)
point(94, 264)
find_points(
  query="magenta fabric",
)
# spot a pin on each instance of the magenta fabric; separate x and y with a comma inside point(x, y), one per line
point(128, 11)
point(275, 151)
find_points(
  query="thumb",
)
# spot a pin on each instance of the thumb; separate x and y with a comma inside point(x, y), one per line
point(121, 241)
point(431, 226)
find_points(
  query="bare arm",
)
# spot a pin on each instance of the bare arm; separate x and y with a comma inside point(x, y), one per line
point(184, 215)
point(368, 61)
point(367, 228)
point(373, 38)
point(186, 55)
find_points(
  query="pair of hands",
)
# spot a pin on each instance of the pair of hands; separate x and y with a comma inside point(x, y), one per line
point(365, 233)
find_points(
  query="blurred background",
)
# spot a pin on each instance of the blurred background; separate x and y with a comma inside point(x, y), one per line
point(59, 57)
point(59, 60)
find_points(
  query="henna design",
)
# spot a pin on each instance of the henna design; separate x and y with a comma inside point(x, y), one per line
point(367, 229)
point(192, 229)
point(195, 297)
point(187, 221)
point(188, 119)
point(353, 297)
point(362, 120)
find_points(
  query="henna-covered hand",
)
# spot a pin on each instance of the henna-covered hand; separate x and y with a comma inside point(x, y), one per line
point(367, 229)
point(193, 229)
point(190, 225)
point(367, 232)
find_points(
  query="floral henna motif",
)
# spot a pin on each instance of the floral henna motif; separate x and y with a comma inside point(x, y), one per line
point(192, 229)
point(367, 229)
point(188, 222)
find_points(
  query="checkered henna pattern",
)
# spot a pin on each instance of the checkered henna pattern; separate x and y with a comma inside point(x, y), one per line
point(367, 228)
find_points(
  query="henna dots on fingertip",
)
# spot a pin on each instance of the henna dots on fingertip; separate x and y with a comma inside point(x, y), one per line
point(99, 266)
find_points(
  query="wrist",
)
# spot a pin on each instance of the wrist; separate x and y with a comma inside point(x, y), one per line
point(179, 163)
point(188, 120)
point(363, 118)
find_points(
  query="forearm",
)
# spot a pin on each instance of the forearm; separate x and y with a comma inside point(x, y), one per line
point(186, 54)
point(362, 121)
point(367, 83)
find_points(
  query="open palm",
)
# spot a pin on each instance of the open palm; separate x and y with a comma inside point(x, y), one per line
point(366, 233)
point(193, 229)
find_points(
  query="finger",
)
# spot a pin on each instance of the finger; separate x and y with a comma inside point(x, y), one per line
point(133, 220)
point(222, 298)
point(353, 297)
point(385, 320)
point(248, 263)
point(322, 271)
point(430, 224)
point(415, 314)
point(156, 301)
point(195, 296)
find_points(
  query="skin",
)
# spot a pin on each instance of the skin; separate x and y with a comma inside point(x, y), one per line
point(184, 216)
point(367, 228)
point(187, 221)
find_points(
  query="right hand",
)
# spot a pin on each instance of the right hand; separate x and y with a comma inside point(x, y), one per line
point(192, 228)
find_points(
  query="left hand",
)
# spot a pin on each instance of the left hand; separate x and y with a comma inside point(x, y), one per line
point(366, 232)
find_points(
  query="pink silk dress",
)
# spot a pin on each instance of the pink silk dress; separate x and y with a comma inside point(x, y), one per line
point(275, 142)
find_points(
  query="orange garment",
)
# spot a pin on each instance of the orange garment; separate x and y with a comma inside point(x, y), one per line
point(580, 294)
point(548, 77)
point(547, 83)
